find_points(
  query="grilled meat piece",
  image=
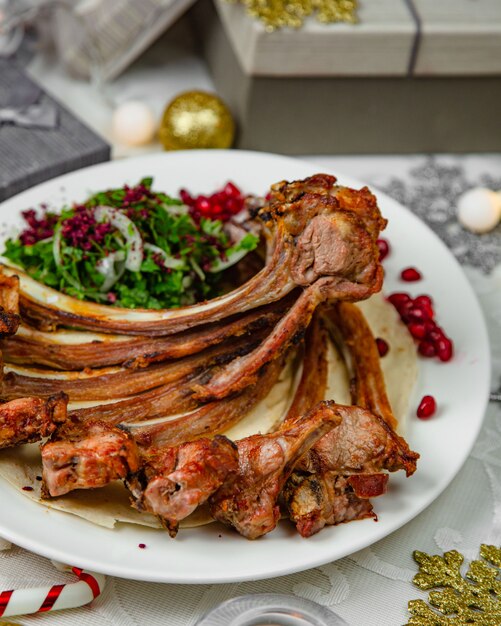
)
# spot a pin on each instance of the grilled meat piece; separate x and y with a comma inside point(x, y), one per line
point(173, 482)
point(9, 305)
point(363, 443)
point(71, 461)
point(368, 485)
point(314, 228)
point(74, 459)
point(313, 382)
point(249, 502)
point(45, 348)
point(209, 419)
point(326, 240)
point(316, 500)
point(30, 419)
point(334, 480)
point(352, 333)
point(111, 383)
point(9, 323)
point(313, 500)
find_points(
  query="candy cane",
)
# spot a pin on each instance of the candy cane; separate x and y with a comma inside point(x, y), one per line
point(55, 598)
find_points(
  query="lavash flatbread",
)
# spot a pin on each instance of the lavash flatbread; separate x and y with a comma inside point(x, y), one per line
point(110, 505)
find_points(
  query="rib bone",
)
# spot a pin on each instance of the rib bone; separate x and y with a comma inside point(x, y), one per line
point(317, 229)
point(79, 440)
point(249, 502)
point(349, 328)
point(61, 350)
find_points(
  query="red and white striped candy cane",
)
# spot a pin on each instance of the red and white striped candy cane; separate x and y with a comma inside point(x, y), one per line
point(55, 598)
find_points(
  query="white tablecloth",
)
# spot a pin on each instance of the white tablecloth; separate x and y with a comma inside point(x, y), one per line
point(372, 586)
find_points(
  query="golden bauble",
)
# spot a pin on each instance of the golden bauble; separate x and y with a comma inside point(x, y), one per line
point(195, 120)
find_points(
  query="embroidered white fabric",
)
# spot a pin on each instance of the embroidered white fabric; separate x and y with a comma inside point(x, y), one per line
point(374, 585)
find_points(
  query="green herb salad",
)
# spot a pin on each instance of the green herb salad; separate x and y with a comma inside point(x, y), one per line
point(134, 247)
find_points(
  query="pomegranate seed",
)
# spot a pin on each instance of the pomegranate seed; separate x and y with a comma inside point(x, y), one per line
point(142, 546)
point(429, 325)
point(425, 309)
point(426, 348)
point(399, 299)
point(405, 310)
point(203, 204)
point(186, 197)
point(218, 198)
point(444, 349)
point(232, 190)
point(424, 302)
point(435, 335)
point(410, 274)
point(384, 248)
point(382, 347)
point(427, 407)
point(416, 314)
point(417, 330)
point(233, 205)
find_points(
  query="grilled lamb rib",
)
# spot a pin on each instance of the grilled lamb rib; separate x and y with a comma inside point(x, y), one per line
point(358, 451)
point(30, 419)
point(321, 490)
point(249, 501)
point(78, 440)
point(111, 383)
point(315, 229)
point(173, 482)
point(72, 462)
point(350, 330)
point(316, 500)
point(327, 243)
point(9, 305)
point(33, 346)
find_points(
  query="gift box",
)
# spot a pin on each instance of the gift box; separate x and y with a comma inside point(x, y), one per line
point(39, 139)
point(410, 77)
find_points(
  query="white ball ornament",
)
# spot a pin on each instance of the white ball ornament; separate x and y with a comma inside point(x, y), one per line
point(479, 209)
point(133, 123)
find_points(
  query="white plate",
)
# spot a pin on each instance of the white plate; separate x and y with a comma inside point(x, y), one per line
point(213, 554)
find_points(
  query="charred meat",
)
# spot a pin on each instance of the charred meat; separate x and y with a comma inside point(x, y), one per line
point(249, 503)
point(30, 419)
point(173, 482)
point(71, 461)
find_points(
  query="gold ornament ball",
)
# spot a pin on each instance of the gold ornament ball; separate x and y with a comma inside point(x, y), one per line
point(195, 120)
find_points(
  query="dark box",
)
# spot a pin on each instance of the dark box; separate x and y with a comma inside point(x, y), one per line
point(31, 155)
point(339, 115)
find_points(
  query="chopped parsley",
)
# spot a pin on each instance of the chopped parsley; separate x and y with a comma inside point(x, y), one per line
point(132, 247)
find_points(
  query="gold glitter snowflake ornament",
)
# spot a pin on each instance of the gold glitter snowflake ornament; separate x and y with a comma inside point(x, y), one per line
point(473, 599)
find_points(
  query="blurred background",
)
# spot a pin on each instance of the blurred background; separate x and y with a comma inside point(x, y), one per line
point(302, 77)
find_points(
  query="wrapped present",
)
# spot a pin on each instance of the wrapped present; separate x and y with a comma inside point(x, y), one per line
point(39, 139)
point(408, 77)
